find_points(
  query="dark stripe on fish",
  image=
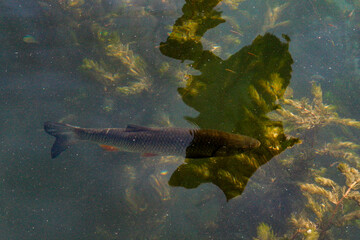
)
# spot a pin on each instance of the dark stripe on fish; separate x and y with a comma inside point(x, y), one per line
point(190, 143)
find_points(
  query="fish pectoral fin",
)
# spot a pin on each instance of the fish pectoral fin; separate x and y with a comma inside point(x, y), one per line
point(109, 148)
point(149, 154)
point(136, 128)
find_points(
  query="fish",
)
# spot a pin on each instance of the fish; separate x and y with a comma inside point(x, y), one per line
point(171, 141)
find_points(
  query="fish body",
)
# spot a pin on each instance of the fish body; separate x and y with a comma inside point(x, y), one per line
point(190, 143)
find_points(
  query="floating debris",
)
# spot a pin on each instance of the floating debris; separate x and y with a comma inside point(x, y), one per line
point(30, 39)
point(75, 3)
point(108, 105)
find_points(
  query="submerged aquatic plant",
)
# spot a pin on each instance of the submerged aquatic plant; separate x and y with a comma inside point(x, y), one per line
point(109, 74)
point(113, 64)
point(309, 115)
point(232, 4)
point(341, 150)
point(272, 16)
point(306, 118)
point(264, 232)
point(329, 204)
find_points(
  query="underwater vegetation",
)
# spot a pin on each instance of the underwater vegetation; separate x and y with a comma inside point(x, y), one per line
point(112, 63)
point(331, 204)
point(232, 4)
point(272, 16)
point(310, 115)
point(307, 118)
point(121, 72)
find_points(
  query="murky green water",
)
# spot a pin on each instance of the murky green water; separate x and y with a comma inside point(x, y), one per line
point(284, 72)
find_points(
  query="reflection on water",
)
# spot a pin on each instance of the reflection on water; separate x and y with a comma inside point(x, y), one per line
point(115, 62)
point(242, 90)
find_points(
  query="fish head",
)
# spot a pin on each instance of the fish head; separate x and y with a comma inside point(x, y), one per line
point(213, 143)
point(239, 144)
point(254, 143)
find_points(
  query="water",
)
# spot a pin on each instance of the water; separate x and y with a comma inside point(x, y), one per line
point(187, 64)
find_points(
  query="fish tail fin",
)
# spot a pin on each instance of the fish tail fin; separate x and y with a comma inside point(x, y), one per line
point(65, 136)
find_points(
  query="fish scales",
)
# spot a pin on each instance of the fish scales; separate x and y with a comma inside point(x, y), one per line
point(191, 143)
point(156, 140)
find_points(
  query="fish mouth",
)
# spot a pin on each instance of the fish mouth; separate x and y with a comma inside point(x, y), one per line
point(255, 144)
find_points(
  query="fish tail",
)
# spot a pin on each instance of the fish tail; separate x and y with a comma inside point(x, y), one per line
point(65, 136)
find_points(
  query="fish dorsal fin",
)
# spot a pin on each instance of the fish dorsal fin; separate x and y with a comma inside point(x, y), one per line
point(136, 128)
